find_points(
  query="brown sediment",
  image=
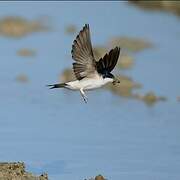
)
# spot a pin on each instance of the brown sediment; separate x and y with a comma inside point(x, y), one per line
point(130, 44)
point(22, 78)
point(163, 5)
point(25, 52)
point(150, 98)
point(70, 29)
point(127, 45)
point(125, 87)
point(16, 27)
point(16, 171)
point(125, 61)
point(99, 51)
point(67, 75)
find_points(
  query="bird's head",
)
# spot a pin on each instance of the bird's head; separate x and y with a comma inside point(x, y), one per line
point(111, 78)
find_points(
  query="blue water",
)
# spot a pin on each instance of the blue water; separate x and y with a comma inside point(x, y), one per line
point(56, 132)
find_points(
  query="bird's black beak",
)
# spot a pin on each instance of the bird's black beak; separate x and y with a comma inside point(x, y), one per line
point(115, 81)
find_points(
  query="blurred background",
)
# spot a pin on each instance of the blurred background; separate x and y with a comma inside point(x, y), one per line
point(129, 131)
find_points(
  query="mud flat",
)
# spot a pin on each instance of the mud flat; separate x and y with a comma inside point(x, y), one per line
point(25, 52)
point(16, 171)
point(22, 78)
point(70, 29)
point(164, 5)
point(17, 27)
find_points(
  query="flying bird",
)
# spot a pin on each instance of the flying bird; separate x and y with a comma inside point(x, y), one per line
point(89, 73)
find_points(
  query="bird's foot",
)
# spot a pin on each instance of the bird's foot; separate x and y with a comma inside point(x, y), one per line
point(85, 98)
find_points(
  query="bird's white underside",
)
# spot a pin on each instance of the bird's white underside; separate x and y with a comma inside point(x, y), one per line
point(88, 83)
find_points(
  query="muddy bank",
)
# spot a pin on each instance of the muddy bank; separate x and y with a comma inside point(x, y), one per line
point(70, 29)
point(26, 52)
point(16, 171)
point(166, 6)
point(17, 27)
point(22, 78)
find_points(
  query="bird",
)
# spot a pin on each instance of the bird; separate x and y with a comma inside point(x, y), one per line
point(90, 74)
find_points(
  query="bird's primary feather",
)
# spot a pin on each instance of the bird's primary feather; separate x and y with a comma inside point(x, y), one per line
point(108, 62)
point(83, 55)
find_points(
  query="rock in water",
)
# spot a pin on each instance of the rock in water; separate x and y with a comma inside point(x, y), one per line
point(16, 171)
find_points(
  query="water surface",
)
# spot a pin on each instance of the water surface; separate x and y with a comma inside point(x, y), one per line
point(54, 131)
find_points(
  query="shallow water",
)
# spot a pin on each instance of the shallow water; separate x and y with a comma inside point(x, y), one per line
point(54, 131)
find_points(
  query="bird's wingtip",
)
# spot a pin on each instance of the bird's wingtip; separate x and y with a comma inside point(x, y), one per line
point(86, 25)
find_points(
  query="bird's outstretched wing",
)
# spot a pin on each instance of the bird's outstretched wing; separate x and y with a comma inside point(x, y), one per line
point(108, 62)
point(83, 55)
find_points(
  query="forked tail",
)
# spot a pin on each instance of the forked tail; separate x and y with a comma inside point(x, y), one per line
point(61, 85)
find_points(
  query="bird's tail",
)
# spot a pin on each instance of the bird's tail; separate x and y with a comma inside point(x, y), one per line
point(61, 85)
